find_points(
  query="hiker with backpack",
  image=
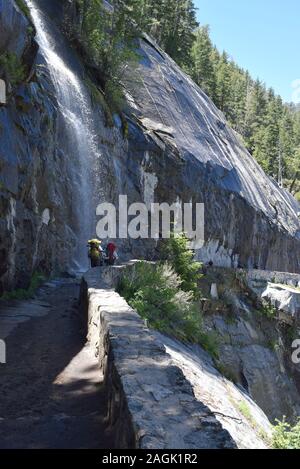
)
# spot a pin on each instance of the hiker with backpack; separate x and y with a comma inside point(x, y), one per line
point(95, 253)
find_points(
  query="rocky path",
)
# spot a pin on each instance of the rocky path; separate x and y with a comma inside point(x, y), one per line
point(51, 386)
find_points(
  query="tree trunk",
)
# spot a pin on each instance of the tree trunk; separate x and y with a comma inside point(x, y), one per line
point(294, 182)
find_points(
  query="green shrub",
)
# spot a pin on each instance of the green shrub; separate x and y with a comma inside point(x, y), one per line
point(285, 436)
point(98, 97)
point(273, 345)
point(297, 196)
point(109, 40)
point(210, 342)
point(176, 251)
point(12, 67)
point(245, 410)
point(22, 294)
point(268, 310)
point(23, 7)
point(155, 292)
point(291, 333)
point(226, 371)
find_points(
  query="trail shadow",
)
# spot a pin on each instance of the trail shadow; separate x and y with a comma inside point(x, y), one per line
point(52, 394)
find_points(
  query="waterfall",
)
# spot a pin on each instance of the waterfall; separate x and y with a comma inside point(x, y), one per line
point(78, 137)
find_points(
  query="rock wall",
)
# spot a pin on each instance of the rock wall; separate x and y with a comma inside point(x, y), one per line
point(148, 375)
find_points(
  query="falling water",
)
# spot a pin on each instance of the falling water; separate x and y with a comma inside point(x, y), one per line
point(77, 131)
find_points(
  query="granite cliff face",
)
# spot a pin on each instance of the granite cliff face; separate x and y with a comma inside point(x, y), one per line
point(35, 187)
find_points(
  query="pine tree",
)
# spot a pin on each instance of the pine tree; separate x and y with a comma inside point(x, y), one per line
point(223, 84)
point(272, 150)
point(288, 144)
point(270, 128)
point(172, 25)
point(255, 114)
point(203, 70)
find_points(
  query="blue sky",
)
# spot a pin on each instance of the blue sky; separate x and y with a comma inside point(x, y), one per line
point(262, 36)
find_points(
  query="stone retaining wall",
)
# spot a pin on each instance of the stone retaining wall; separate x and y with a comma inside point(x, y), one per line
point(150, 402)
point(258, 279)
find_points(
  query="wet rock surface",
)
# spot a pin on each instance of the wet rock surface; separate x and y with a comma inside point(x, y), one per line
point(34, 172)
point(255, 340)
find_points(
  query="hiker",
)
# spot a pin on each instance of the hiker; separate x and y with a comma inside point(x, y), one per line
point(111, 253)
point(95, 252)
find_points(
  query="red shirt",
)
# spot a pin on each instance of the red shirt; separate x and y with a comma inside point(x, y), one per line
point(111, 247)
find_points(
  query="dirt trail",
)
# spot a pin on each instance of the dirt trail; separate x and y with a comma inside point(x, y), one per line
point(51, 387)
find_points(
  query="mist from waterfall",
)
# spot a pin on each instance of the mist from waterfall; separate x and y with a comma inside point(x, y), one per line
point(77, 134)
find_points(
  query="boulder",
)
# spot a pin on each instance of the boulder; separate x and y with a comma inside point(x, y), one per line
point(286, 299)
